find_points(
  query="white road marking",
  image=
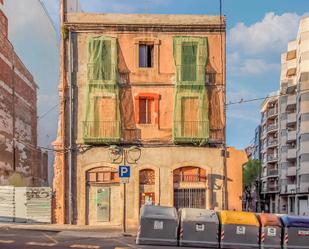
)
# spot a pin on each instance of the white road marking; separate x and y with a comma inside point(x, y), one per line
point(7, 241)
point(50, 238)
point(84, 246)
point(40, 244)
point(126, 244)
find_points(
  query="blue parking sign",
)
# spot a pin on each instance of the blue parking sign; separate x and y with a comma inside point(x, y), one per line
point(124, 171)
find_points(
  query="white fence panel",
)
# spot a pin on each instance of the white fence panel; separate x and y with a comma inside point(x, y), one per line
point(7, 205)
point(38, 205)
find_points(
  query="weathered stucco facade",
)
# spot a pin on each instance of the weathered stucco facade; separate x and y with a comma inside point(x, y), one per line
point(164, 170)
point(21, 163)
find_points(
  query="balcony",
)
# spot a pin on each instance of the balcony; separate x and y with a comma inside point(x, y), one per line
point(191, 131)
point(189, 178)
point(270, 189)
point(291, 171)
point(272, 143)
point(272, 158)
point(291, 118)
point(291, 136)
point(291, 103)
point(272, 172)
point(101, 132)
point(291, 87)
point(291, 188)
point(291, 154)
point(272, 127)
point(272, 112)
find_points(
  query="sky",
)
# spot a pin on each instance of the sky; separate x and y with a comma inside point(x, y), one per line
point(257, 33)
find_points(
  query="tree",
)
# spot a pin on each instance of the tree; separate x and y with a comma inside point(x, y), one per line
point(251, 178)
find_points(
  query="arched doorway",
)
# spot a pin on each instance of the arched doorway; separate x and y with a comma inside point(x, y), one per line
point(102, 188)
point(189, 187)
point(147, 187)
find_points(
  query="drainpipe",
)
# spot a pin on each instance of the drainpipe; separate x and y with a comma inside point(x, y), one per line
point(61, 217)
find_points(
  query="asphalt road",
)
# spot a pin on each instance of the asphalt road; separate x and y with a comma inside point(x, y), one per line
point(29, 239)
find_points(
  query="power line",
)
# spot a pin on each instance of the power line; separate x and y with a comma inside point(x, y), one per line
point(243, 101)
point(48, 111)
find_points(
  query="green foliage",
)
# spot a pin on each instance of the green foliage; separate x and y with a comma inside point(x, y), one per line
point(251, 172)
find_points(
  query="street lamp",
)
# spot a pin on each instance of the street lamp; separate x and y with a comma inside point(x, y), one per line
point(121, 155)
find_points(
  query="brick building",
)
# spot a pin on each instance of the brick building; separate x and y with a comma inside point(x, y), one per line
point(21, 162)
point(148, 91)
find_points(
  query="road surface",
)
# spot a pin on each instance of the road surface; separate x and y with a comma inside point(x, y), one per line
point(30, 239)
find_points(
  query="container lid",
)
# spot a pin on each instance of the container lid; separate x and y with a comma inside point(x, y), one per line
point(158, 212)
point(269, 220)
point(295, 221)
point(241, 218)
point(195, 214)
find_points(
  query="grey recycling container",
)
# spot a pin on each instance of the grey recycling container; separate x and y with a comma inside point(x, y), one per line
point(158, 226)
point(239, 230)
point(199, 228)
point(296, 232)
point(271, 231)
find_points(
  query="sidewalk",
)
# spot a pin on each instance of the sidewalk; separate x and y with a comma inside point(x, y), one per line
point(74, 230)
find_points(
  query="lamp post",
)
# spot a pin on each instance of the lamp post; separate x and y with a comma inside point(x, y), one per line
point(121, 155)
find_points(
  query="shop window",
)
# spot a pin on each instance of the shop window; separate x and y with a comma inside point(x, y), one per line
point(146, 55)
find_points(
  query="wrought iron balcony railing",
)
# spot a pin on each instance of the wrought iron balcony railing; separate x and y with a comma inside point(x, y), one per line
point(101, 131)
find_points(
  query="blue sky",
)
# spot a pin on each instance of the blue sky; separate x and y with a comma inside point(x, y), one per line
point(257, 33)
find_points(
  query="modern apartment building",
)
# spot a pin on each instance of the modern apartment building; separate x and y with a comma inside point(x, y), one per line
point(269, 153)
point(294, 125)
point(146, 91)
point(285, 132)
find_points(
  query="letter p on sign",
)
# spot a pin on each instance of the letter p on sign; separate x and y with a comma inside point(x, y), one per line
point(124, 171)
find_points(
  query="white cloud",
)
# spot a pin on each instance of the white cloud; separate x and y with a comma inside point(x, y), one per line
point(271, 34)
point(255, 49)
point(253, 67)
point(244, 115)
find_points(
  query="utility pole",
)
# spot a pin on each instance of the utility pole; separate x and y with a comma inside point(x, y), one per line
point(62, 89)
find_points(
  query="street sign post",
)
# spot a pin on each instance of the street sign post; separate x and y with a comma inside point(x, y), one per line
point(124, 175)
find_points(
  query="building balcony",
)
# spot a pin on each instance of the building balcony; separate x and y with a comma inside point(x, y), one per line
point(189, 178)
point(291, 189)
point(291, 171)
point(291, 136)
point(291, 154)
point(272, 143)
point(101, 132)
point(291, 87)
point(272, 172)
point(304, 168)
point(272, 112)
point(291, 103)
point(291, 118)
point(270, 189)
point(272, 158)
point(191, 131)
point(272, 128)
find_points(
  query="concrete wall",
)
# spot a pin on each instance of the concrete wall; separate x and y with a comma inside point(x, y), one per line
point(235, 162)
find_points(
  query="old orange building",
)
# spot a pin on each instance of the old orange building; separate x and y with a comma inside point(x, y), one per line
point(146, 91)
